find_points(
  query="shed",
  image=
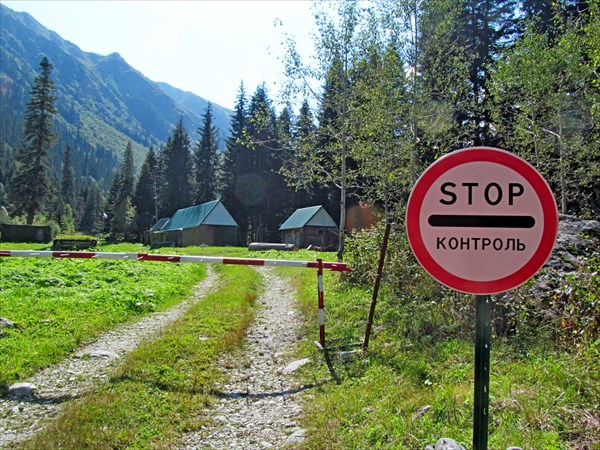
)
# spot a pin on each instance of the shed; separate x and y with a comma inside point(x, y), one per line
point(310, 226)
point(206, 224)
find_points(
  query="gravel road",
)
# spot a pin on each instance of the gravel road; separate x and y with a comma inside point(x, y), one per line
point(256, 407)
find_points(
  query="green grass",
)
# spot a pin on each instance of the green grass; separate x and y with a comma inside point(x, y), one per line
point(163, 388)
point(60, 304)
point(542, 395)
point(541, 398)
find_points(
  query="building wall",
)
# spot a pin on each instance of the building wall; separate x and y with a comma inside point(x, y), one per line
point(25, 233)
point(209, 235)
point(165, 238)
point(316, 236)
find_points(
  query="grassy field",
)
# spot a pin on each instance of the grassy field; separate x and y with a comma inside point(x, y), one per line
point(58, 305)
point(61, 304)
point(414, 386)
point(412, 389)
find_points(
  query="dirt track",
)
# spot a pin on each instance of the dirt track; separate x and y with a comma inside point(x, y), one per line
point(256, 408)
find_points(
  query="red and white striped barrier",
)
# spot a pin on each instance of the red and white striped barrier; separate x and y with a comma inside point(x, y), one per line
point(319, 265)
point(333, 266)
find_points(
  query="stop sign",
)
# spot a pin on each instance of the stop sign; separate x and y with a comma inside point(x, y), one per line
point(481, 220)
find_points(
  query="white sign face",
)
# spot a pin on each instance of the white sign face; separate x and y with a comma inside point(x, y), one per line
point(481, 220)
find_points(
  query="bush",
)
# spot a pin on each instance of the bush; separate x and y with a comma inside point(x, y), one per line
point(412, 302)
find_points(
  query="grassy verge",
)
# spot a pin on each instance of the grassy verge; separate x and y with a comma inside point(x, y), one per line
point(163, 387)
point(411, 389)
point(59, 305)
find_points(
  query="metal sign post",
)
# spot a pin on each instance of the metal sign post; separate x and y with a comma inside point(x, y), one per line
point(482, 371)
point(482, 221)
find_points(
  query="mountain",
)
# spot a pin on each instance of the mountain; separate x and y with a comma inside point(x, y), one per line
point(102, 101)
point(191, 101)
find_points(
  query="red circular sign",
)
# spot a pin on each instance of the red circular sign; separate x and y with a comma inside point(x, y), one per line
point(481, 220)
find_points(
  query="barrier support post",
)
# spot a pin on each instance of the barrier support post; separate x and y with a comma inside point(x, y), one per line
point(321, 303)
point(386, 237)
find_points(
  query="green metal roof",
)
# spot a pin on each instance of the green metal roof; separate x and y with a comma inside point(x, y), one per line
point(161, 223)
point(190, 217)
point(302, 217)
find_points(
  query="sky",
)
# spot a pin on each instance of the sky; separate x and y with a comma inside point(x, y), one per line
point(205, 47)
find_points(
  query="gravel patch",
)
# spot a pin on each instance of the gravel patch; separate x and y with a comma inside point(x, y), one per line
point(256, 406)
point(23, 410)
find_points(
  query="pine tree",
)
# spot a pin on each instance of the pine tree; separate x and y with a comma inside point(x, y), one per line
point(30, 185)
point(67, 186)
point(235, 164)
point(265, 187)
point(175, 162)
point(145, 199)
point(92, 217)
point(120, 206)
point(488, 27)
point(206, 160)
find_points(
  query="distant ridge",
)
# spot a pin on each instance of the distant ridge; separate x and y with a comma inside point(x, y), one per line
point(102, 101)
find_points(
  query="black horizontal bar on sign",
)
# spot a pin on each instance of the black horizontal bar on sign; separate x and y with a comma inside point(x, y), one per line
point(480, 221)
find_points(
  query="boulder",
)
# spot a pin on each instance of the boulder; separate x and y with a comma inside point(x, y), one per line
point(21, 390)
point(445, 444)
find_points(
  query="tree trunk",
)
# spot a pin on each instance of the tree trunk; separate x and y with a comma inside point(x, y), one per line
point(343, 188)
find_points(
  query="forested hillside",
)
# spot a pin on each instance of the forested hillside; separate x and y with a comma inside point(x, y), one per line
point(391, 87)
point(102, 103)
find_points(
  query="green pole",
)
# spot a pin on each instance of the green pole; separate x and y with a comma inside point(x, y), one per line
point(482, 371)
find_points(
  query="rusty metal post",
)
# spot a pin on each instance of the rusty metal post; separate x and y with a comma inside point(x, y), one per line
point(386, 237)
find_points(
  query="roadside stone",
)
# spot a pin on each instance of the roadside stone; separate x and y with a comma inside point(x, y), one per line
point(348, 355)
point(422, 410)
point(293, 366)
point(575, 237)
point(296, 436)
point(103, 354)
point(5, 323)
point(445, 444)
point(21, 390)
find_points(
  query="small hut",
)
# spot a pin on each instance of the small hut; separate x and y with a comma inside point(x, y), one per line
point(311, 226)
point(206, 224)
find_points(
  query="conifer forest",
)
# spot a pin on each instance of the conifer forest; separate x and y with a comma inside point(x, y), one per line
point(392, 86)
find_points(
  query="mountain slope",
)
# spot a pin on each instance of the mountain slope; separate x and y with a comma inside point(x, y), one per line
point(191, 101)
point(102, 101)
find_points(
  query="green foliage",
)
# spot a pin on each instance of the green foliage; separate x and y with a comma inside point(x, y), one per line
point(30, 185)
point(415, 384)
point(175, 170)
point(569, 315)
point(78, 236)
point(206, 160)
point(120, 222)
point(67, 185)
